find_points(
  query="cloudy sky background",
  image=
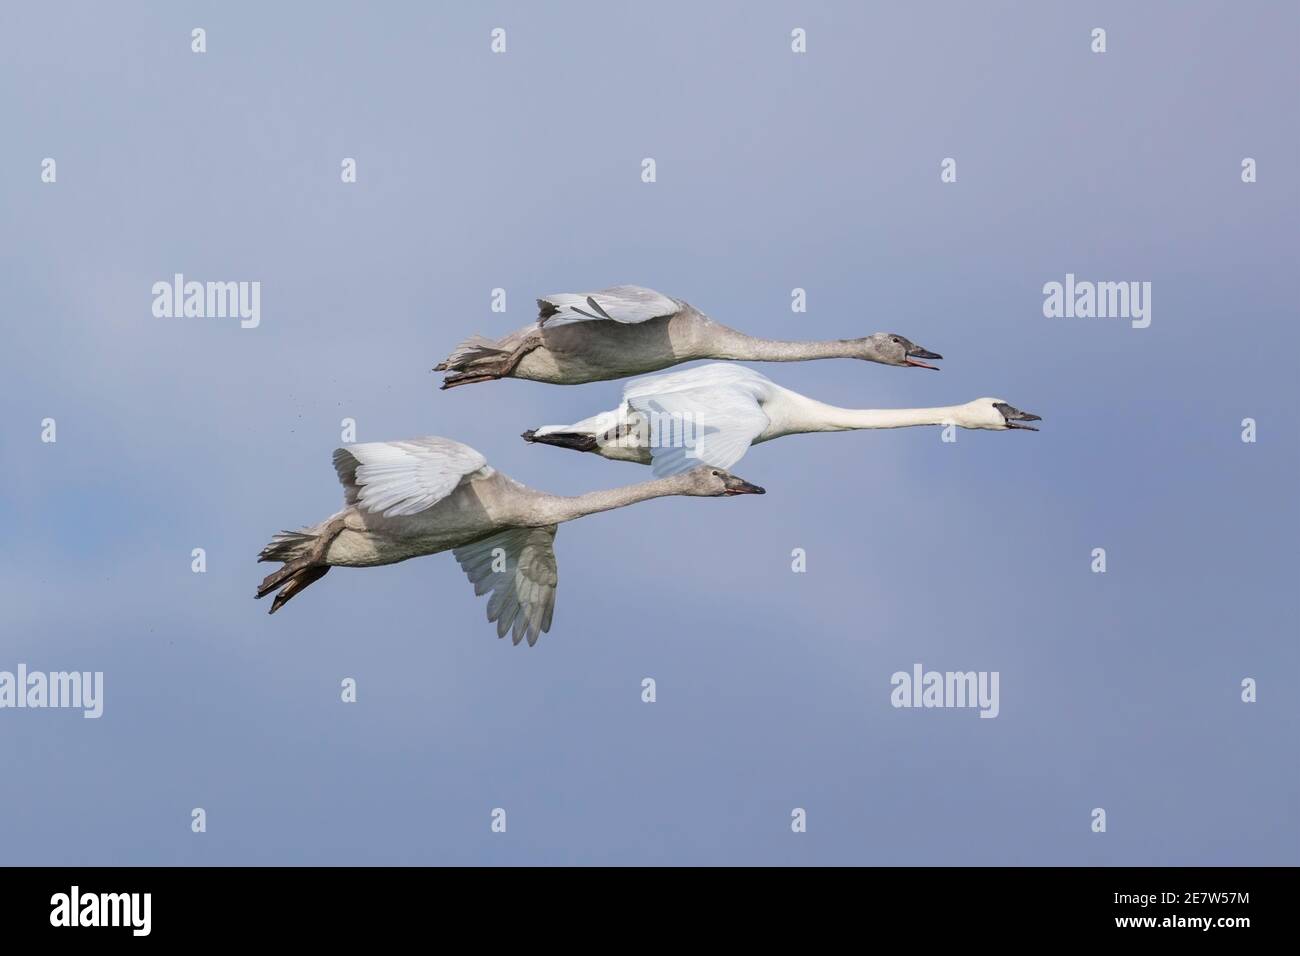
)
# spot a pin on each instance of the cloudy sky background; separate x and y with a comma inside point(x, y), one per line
point(774, 171)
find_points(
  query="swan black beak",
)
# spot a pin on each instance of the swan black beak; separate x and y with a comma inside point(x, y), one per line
point(739, 486)
point(1012, 415)
point(916, 352)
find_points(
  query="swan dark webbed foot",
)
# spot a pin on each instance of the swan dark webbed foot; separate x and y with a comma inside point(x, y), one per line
point(301, 580)
point(469, 378)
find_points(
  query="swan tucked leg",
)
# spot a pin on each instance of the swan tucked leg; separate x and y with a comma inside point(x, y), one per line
point(486, 365)
point(303, 554)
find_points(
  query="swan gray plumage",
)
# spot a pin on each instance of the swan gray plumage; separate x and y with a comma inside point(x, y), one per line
point(404, 499)
point(631, 330)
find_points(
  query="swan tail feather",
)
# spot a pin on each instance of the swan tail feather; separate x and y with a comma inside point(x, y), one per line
point(476, 348)
point(287, 545)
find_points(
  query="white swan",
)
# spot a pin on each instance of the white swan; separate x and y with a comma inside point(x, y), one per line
point(629, 330)
point(712, 414)
point(426, 495)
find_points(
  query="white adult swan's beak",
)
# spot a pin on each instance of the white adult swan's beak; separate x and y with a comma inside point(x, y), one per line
point(1012, 415)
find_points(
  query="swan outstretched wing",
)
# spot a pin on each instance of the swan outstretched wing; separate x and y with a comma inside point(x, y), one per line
point(715, 374)
point(403, 477)
point(518, 567)
point(621, 303)
point(709, 425)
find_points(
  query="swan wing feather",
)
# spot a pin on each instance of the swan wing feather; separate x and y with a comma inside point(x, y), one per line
point(627, 304)
point(709, 425)
point(518, 566)
point(396, 478)
point(714, 374)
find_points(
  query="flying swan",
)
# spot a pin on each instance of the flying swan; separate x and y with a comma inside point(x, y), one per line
point(629, 330)
point(713, 413)
point(408, 498)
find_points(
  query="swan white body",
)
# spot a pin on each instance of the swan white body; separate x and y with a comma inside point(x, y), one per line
point(409, 498)
point(712, 414)
point(630, 330)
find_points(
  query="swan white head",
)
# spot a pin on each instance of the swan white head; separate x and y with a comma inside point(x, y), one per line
point(994, 414)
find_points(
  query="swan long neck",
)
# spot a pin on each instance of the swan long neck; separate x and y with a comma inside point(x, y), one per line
point(727, 343)
point(808, 415)
point(555, 509)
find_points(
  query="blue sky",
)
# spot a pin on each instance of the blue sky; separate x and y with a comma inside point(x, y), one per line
point(775, 171)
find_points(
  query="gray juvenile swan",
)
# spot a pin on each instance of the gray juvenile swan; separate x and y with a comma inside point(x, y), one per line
point(408, 498)
point(712, 414)
point(629, 330)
